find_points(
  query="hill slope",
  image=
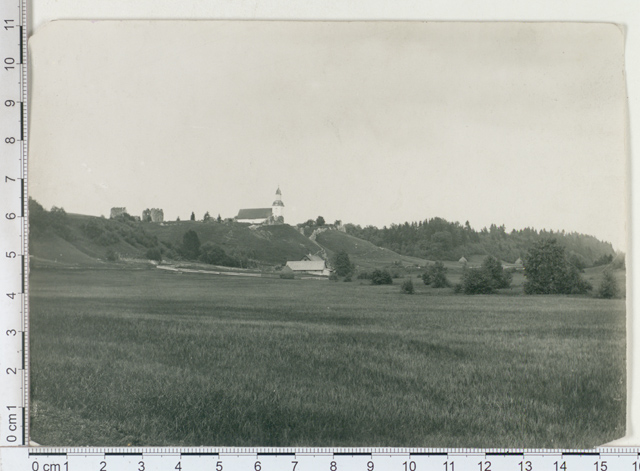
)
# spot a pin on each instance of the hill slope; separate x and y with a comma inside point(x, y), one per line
point(269, 244)
point(73, 239)
point(363, 253)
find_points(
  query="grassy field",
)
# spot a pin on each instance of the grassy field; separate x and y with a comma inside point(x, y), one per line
point(149, 357)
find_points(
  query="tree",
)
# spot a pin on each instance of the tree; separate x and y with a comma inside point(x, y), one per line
point(498, 277)
point(549, 272)
point(608, 286)
point(407, 286)
point(178, 219)
point(438, 274)
point(190, 245)
point(342, 264)
point(320, 221)
point(219, 218)
point(207, 217)
point(193, 216)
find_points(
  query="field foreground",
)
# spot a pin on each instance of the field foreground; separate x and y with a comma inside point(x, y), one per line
point(151, 357)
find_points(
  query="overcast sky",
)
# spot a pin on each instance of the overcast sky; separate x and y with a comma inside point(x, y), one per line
point(520, 124)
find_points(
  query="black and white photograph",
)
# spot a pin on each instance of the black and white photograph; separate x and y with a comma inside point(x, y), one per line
point(328, 233)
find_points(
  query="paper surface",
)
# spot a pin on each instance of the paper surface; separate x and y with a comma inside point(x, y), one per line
point(517, 124)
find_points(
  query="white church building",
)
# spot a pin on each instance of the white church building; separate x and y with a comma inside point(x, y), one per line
point(272, 215)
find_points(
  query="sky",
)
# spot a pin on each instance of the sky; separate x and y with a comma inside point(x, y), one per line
point(373, 123)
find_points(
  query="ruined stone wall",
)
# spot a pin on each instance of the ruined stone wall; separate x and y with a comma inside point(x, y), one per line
point(157, 215)
point(115, 212)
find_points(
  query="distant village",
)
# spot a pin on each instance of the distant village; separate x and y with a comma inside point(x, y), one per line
point(312, 264)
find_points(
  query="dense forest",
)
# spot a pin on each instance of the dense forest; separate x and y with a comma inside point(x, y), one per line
point(439, 239)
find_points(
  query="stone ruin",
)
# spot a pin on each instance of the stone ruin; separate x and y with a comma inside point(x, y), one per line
point(115, 212)
point(153, 215)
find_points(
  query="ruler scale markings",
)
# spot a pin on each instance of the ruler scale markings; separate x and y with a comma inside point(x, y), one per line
point(204, 453)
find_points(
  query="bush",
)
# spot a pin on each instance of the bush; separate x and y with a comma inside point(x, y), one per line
point(407, 286)
point(333, 276)
point(347, 278)
point(112, 255)
point(608, 286)
point(154, 254)
point(287, 275)
point(477, 281)
point(364, 275)
point(381, 277)
point(190, 245)
point(215, 255)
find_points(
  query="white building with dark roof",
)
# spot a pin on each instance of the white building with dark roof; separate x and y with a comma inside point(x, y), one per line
point(311, 267)
point(272, 215)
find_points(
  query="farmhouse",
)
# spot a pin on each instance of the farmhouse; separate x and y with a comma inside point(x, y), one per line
point(311, 267)
point(272, 215)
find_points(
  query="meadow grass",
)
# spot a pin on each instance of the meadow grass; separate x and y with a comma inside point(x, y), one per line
point(148, 357)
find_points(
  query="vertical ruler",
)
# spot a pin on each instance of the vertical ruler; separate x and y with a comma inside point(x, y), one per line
point(14, 261)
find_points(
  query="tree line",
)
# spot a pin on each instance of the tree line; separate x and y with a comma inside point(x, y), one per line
point(439, 239)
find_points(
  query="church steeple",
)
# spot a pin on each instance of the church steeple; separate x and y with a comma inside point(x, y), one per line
point(277, 206)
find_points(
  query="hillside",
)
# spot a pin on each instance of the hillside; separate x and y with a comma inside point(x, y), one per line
point(80, 240)
point(363, 253)
point(268, 244)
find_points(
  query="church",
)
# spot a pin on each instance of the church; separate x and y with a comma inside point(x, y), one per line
point(272, 215)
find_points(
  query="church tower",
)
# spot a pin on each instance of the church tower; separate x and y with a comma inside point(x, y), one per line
point(278, 206)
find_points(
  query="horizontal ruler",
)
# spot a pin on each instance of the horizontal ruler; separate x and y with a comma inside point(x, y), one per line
point(315, 459)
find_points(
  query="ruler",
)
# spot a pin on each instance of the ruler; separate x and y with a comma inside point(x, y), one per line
point(14, 390)
point(316, 459)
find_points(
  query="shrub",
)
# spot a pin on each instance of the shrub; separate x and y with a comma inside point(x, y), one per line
point(287, 275)
point(215, 255)
point(477, 281)
point(154, 254)
point(426, 277)
point(407, 286)
point(608, 286)
point(381, 277)
point(347, 278)
point(333, 276)
point(112, 255)
point(190, 245)
point(364, 275)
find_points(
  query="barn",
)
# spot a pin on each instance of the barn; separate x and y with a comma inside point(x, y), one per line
point(311, 267)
